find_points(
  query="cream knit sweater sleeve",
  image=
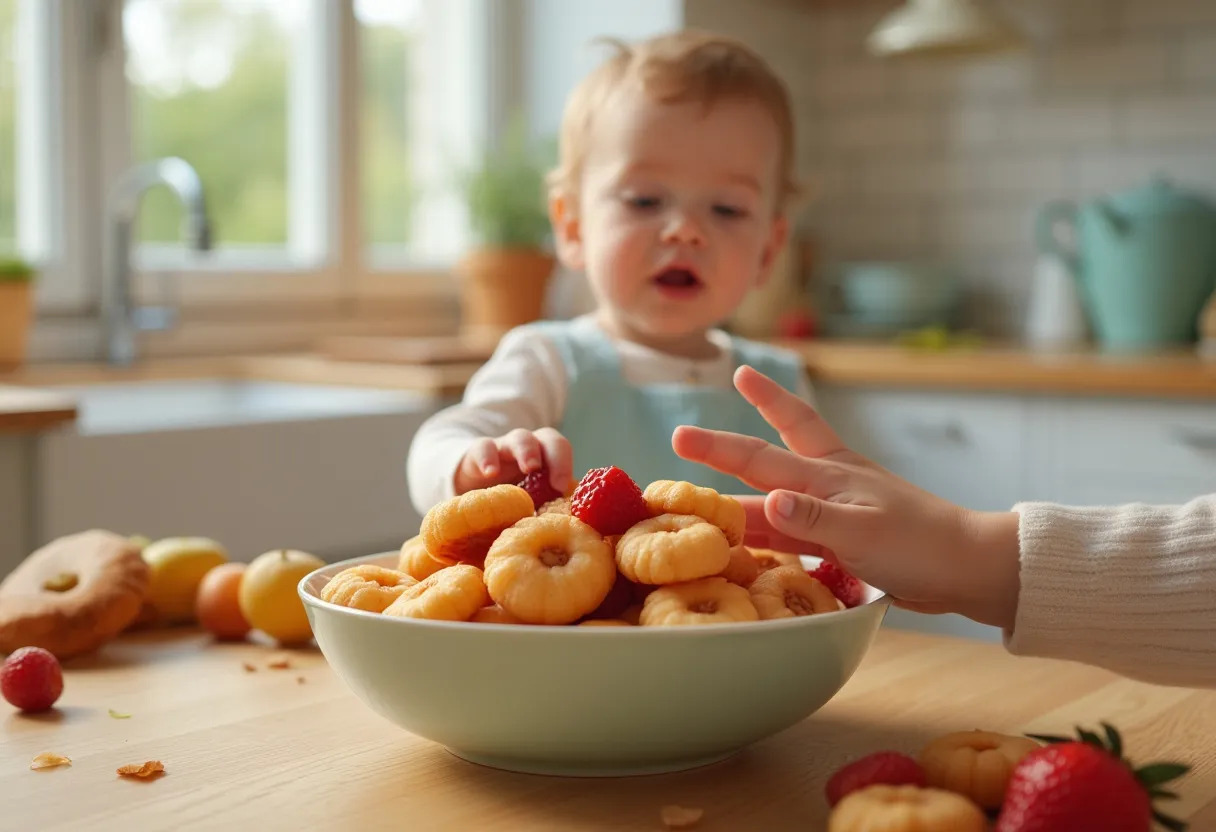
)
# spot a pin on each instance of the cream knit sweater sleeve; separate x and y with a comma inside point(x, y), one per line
point(1130, 588)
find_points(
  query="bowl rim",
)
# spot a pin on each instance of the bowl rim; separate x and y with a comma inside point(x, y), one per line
point(310, 599)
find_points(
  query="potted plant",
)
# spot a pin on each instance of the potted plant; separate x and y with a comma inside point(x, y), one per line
point(16, 310)
point(504, 276)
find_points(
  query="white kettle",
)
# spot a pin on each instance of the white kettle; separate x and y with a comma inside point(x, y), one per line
point(1055, 319)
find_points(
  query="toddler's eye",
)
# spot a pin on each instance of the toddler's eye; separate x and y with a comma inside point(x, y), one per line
point(729, 211)
point(642, 203)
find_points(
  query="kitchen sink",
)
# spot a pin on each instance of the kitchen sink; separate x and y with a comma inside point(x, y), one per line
point(255, 464)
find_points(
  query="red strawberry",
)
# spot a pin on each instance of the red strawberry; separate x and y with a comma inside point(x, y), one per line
point(539, 486)
point(888, 768)
point(617, 599)
point(843, 585)
point(31, 679)
point(1085, 786)
point(607, 500)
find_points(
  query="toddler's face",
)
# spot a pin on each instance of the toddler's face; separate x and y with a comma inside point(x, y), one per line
point(676, 219)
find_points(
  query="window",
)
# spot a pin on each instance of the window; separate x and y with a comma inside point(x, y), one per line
point(420, 117)
point(29, 111)
point(257, 96)
point(326, 134)
point(390, 32)
point(209, 83)
point(8, 126)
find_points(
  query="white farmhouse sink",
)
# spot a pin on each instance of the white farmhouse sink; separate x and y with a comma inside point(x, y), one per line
point(257, 465)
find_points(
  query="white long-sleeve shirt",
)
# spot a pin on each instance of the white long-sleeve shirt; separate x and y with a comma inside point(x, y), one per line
point(1130, 588)
point(524, 385)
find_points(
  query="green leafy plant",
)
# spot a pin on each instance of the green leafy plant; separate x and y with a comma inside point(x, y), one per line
point(505, 192)
point(13, 270)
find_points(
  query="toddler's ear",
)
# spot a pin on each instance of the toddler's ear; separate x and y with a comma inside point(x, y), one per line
point(566, 230)
point(777, 237)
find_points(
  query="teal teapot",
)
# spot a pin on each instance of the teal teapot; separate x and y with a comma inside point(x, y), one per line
point(1145, 260)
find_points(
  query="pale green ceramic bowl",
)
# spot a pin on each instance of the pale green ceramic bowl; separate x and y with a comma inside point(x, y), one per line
point(590, 701)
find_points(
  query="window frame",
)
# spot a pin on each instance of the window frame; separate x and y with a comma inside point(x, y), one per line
point(323, 133)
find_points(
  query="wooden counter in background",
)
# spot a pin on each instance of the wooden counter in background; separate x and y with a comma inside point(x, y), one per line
point(23, 410)
point(1179, 374)
point(993, 369)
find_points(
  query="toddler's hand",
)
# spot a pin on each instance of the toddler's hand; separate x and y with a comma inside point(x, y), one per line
point(506, 459)
point(928, 553)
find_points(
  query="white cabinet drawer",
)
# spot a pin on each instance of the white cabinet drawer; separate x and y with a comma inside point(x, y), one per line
point(966, 448)
point(1123, 449)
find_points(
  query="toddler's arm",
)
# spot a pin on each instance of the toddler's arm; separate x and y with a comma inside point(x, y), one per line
point(503, 423)
point(1129, 588)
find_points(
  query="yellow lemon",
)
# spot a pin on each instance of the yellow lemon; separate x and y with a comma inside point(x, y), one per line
point(268, 596)
point(177, 566)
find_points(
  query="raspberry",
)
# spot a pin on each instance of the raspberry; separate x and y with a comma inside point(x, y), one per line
point(607, 500)
point(888, 768)
point(540, 488)
point(31, 679)
point(843, 585)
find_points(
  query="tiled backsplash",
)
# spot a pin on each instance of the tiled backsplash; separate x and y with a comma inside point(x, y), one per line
point(951, 160)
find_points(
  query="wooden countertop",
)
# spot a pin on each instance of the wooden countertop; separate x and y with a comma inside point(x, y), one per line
point(1180, 374)
point(262, 750)
point(23, 410)
point(848, 363)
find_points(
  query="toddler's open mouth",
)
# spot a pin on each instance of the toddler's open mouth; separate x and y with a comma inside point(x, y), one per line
point(678, 282)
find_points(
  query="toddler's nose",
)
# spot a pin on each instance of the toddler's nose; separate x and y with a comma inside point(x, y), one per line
point(683, 229)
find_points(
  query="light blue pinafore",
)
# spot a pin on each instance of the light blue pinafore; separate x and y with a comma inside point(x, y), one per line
point(612, 422)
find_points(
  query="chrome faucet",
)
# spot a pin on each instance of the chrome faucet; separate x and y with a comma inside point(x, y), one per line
point(121, 318)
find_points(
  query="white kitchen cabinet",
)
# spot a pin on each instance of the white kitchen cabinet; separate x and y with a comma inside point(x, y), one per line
point(1109, 451)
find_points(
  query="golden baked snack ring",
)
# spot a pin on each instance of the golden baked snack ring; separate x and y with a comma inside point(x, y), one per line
point(366, 587)
point(975, 764)
point(706, 601)
point(742, 568)
point(464, 527)
point(549, 569)
point(678, 497)
point(452, 594)
point(73, 594)
point(672, 548)
point(883, 807)
point(416, 561)
point(770, 559)
point(788, 591)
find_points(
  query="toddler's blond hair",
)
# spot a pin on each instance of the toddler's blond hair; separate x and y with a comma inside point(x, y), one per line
point(683, 66)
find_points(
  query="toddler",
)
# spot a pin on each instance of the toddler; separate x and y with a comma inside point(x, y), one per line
point(671, 193)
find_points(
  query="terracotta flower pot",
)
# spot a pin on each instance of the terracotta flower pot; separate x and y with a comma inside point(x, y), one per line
point(501, 289)
point(16, 312)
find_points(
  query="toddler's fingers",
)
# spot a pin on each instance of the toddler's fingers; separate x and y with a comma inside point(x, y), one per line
point(801, 427)
point(481, 459)
point(524, 447)
point(756, 462)
point(559, 456)
point(835, 525)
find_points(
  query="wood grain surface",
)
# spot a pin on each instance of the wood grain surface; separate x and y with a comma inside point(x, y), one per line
point(264, 750)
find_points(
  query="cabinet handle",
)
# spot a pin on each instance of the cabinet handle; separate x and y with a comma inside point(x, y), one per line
point(1196, 440)
point(950, 433)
